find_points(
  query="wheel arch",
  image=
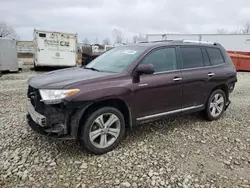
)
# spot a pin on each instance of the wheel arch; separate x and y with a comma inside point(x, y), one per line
point(81, 114)
point(222, 87)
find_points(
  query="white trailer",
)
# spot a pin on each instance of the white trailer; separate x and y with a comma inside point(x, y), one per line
point(8, 55)
point(55, 49)
point(231, 42)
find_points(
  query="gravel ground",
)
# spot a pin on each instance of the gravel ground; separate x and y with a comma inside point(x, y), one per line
point(175, 152)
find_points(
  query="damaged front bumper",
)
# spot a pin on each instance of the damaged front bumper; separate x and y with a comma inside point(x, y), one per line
point(53, 123)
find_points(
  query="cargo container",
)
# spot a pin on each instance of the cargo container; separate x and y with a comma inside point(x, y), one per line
point(55, 49)
point(8, 55)
point(241, 60)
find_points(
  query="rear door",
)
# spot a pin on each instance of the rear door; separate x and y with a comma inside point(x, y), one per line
point(162, 91)
point(195, 76)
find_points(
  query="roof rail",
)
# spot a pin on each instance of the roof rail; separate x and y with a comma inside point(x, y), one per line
point(199, 42)
point(158, 41)
point(184, 41)
point(163, 41)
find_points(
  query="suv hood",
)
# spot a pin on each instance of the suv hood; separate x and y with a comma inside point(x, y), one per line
point(61, 78)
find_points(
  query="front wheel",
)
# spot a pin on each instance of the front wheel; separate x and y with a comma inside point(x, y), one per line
point(215, 105)
point(103, 130)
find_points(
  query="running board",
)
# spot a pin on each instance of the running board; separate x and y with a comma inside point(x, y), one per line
point(168, 113)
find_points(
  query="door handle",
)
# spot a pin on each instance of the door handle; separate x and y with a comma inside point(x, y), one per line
point(176, 79)
point(210, 74)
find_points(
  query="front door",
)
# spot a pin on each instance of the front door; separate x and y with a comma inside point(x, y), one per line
point(160, 92)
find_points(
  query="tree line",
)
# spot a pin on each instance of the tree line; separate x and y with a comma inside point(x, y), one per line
point(119, 38)
point(7, 31)
point(245, 29)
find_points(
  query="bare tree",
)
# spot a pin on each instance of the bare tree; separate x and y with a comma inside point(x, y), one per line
point(96, 40)
point(86, 41)
point(235, 31)
point(106, 41)
point(222, 31)
point(6, 31)
point(118, 36)
point(139, 38)
point(246, 28)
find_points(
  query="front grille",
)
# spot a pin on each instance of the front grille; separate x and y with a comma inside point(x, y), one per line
point(35, 99)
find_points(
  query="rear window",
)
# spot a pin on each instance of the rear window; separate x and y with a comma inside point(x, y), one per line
point(191, 57)
point(215, 56)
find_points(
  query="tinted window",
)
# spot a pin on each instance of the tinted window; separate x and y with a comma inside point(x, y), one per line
point(42, 35)
point(162, 59)
point(215, 56)
point(205, 58)
point(191, 57)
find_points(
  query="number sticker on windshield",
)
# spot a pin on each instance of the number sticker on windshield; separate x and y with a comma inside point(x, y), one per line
point(130, 52)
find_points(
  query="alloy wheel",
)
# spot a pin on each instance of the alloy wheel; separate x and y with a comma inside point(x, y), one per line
point(217, 105)
point(105, 130)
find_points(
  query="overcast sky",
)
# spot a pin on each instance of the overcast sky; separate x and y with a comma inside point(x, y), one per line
point(97, 18)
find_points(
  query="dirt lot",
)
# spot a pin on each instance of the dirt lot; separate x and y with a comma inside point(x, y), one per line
point(176, 152)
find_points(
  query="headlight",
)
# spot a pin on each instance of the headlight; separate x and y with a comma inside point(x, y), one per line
point(56, 96)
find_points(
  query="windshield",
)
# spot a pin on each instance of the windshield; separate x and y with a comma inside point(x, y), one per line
point(117, 59)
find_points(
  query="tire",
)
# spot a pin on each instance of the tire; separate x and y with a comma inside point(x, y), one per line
point(92, 126)
point(215, 107)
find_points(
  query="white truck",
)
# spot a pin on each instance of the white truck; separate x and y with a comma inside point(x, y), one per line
point(55, 49)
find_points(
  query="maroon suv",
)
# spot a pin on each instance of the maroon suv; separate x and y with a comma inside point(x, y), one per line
point(129, 85)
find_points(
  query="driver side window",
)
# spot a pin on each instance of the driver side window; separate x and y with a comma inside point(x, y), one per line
point(163, 59)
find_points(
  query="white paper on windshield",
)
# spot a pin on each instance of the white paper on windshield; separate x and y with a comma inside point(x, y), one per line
point(130, 52)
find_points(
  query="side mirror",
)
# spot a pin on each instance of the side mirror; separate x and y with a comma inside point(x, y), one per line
point(142, 69)
point(145, 69)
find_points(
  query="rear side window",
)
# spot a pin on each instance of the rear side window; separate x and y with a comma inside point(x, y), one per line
point(191, 57)
point(205, 58)
point(215, 56)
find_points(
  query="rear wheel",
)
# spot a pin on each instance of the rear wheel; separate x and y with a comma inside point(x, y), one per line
point(215, 105)
point(103, 130)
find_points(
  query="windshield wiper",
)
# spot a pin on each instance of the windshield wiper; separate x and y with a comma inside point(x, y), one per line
point(91, 68)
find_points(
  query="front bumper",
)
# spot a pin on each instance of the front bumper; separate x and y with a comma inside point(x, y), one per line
point(35, 116)
point(41, 131)
point(53, 125)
